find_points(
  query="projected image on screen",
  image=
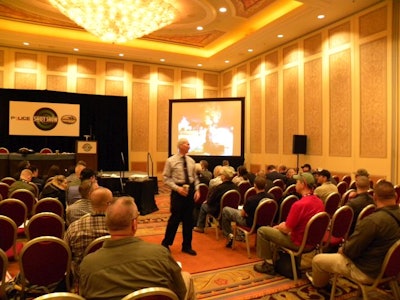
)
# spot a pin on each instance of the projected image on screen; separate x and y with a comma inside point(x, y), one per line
point(213, 128)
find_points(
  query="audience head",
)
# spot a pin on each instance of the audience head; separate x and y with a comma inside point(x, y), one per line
point(290, 172)
point(259, 183)
point(242, 171)
point(87, 173)
point(282, 169)
point(60, 181)
point(204, 164)
point(227, 173)
point(306, 168)
point(80, 165)
point(86, 187)
point(24, 164)
point(26, 175)
point(183, 146)
point(362, 183)
point(225, 162)
point(361, 172)
point(53, 171)
point(100, 198)
point(384, 194)
point(305, 183)
point(35, 170)
point(198, 168)
point(323, 176)
point(121, 216)
point(217, 170)
point(271, 168)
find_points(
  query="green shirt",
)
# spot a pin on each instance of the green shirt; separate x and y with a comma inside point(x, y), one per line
point(126, 265)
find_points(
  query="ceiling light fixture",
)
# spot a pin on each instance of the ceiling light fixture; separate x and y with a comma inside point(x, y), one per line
point(118, 21)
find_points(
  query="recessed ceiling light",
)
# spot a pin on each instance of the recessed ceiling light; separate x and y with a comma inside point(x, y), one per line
point(162, 59)
point(121, 54)
point(76, 49)
point(199, 28)
point(280, 36)
point(223, 9)
point(227, 61)
point(250, 50)
point(25, 43)
point(199, 65)
point(321, 16)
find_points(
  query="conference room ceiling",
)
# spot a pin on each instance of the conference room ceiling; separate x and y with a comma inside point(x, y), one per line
point(224, 41)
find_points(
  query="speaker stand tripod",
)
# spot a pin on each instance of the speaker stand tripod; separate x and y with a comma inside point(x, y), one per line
point(297, 169)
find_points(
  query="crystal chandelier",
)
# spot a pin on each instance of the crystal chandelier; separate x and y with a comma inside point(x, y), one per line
point(118, 20)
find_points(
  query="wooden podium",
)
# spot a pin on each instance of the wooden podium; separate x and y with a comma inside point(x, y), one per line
point(87, 151)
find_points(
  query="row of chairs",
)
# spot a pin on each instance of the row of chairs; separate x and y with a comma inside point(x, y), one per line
point(46, 150)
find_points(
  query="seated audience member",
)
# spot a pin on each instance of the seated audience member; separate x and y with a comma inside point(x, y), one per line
point(125, 263)
point(241, 175)
point(325, 187)
point(35, 177)
point(23, 182)
point(73, 194)
point(91, 226)
point(83, 206)
point(290, 233)
point(217, 177)
point(359, 172)
point(245, 216)
point(282, 169)
point(306, 168)
point(56, 189)
point(212, 205)
point(204, 174)
point(225, 163)
point(23, 164)
point(273, 174)
point(53, 171)
point(289, 180)
point(74, 178)
point(361, 200)
point(362, 256)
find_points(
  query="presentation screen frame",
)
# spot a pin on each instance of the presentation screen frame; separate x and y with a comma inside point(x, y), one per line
point(220, 118)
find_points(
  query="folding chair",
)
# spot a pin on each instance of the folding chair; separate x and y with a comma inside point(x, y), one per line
point(285, 206)
point(277, 192)
point(8, 237)
point(8, 180)
point(339, 229)
point(263, 216)
point(342, 187)
point(49, 204)
point(332, 203)
point(25, 196)
point(152, 293)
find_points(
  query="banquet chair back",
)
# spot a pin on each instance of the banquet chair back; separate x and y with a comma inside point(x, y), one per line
point(8, 235)
point(332, 203)
point(25, 196)
point(4, 190)
point(3, 272)
point(347, 179)
point(14, 209)
point(36, 188)
point(8, 180)
point(339, 229)
point(277, 192)
point(279, 182)
point(44, 261)
point(60, 296)
point(152, 293)
point(366, 211)
point(230, 198)
point(49, 204)
point(46, 151)
point(285, 206)
point(263, 216)
point(389, 273)
point(4, 150)
point(312, 239)
point(95, 245)
point(342, 187)
point(290, 190)
point(45, 224)
point(243, 187)
point(203, 190)
point(250, 192)
point(345, 197)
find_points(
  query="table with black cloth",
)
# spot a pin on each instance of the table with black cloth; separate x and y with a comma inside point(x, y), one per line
point(4, 166)
point(142, 191)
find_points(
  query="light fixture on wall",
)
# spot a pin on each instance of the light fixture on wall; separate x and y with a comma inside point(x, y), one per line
point(118, 21)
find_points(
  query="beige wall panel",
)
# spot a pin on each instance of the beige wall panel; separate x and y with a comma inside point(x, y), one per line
point(227, 92)
point(290, 54)
point(160, 165)
point(255, 67)
point(86, 66)
point(210, 93)
point(140, 117)
point(290, 108)
point(166, 75)
point(210, 80)
point(373, 22)
point(56, 83)
point(1, 79)
point(114, 87)
point(164, 93)
point(339, 35)
point(313, 45)
point(373, 98)
point(25, 81)
point(140, 166)
point(141, 72)
point(271, 60)
point(255, 116)
point(86, 85)
point(271, 130)
point(188, 77)
point(340, 110)
point(241, 90)
point(313, 114)
point(26, 60)
point(1, 58)
point(241, 72)
point(188, 92)
point(114, 69)
point(227, 78)
point(57, 63)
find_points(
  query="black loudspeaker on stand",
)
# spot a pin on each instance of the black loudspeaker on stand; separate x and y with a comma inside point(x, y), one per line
point(299, 146)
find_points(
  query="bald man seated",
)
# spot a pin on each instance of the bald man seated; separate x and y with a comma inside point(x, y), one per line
point(125, 263)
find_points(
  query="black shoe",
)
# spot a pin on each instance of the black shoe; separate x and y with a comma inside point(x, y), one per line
point(166, 246)
point(189, 251)
point(264, 268)
point(230, 241)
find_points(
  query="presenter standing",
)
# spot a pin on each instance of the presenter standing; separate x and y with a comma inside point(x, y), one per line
point(180, 175)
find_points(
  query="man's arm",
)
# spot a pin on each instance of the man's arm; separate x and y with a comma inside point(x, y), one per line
point(361, 238)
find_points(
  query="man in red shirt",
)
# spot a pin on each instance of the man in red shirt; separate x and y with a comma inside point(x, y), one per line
point(290, 233)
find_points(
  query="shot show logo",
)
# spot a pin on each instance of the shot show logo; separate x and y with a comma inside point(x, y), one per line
point(45, 119)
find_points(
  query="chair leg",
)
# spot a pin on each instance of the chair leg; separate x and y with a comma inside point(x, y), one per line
point(246, 237)
point(394, 286)
point(294, 267)
point(334, 281)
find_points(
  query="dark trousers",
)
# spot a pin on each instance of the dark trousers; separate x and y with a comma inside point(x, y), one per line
point(181, 211)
